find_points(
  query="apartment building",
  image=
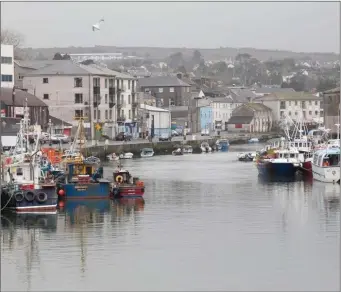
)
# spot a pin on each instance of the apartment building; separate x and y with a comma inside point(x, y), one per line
point(331, 105)
point(294, 105)
point(7, 66)
point(222, 108)
point(103, 96)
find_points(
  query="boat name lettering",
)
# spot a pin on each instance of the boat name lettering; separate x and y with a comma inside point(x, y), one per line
point(81, 188)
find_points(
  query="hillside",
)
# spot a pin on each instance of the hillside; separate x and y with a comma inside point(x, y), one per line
point(161, 53)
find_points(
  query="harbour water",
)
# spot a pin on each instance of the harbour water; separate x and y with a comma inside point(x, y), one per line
point(208, 223)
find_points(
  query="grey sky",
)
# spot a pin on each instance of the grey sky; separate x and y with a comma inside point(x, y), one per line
point(308, 27)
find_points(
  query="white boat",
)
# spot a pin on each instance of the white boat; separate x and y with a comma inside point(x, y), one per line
point(147, 152)
point(177, 152)
point(246, 156)
point(127, 155)
point(326, 165)
point(205, 147)
point(253, 140)
point(113, 157)
point(187, 149)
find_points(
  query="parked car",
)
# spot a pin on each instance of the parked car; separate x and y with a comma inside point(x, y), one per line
point(165, 137)
point(205, 132)
point(123, 137)
point(60, 138)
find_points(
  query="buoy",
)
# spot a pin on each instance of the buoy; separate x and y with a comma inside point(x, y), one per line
point(61, 192)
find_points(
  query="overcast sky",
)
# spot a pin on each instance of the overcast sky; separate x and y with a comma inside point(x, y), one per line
point(308, 27)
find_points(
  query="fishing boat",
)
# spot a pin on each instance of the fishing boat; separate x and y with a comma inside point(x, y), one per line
point(187, 149)
point(326, 165)
point(223, 145)
point(83, 178)
point(126, 155)
point(147, 152)
point(27, 188)
point(253, 140)
point(125, 185)
point(113, 157)
point(247, 156)
point(205, 147)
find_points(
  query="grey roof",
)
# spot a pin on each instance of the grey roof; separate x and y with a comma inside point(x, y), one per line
point(180, 108)
point(240, 120)
point(162, 81)
point(34, 64)
point(242, 95)
point(56, 121)
point(67, 67)
point(20, 98)
point(273, 90)
point(224, 99)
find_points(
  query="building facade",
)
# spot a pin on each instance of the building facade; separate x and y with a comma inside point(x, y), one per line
point(168, 90)
point(222, 111)
point(103, 96)
point(206, 118)
point(331, 109)
point(7, 66)
point(251, 117)
point(295, 105)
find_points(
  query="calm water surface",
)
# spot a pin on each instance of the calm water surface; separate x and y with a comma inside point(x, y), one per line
point(207, 223)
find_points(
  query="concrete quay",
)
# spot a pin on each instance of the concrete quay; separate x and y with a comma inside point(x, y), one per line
point(163, 148)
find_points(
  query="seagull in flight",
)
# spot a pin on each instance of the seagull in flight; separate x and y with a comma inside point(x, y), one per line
point(96, 26)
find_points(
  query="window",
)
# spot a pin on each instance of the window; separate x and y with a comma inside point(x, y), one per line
point(321, 113)
point(296, 113)
point(282, 114)
point(106, 114)
point(45, 80)
point(21, 77)
point(111, 83)
point(296, 102)
point(304, 114)
point(95, 114)
point(20, 171)
point(171, 102)
point(78, 98)
point(106, 97)
point(289, 113)
point(160, 90)
point(146, 90)
point(171, 89)
point(309, 102)
point(78, 113)
point(96, 82)
point(316, 113)
point(6, 78)
point(78, 82)
point(98, 114)
point(303, 104)
point(129, 114)
point(106, 83)
point(46, 96)
point(122, 113)
point(290, 103)
point(110, 114)
point(310, 113)
point(6, 60)
point(128, 99)
point(128, 84)
point(282, 105)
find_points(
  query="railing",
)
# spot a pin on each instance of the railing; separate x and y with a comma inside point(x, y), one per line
point(121, 118)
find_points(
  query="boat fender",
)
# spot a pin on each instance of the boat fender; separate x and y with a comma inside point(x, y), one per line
point(119, 179)
point(19, 196)
point(41, 197)
point(29, 196)
point(116, 192)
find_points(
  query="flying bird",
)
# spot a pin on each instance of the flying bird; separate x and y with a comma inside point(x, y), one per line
point(96, 26)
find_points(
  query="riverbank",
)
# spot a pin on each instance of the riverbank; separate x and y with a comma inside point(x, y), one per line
point(164, 148)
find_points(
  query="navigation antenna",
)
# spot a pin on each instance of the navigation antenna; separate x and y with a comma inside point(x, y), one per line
point(80, 134)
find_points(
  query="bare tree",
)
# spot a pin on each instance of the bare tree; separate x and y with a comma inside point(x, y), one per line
point(10, 37)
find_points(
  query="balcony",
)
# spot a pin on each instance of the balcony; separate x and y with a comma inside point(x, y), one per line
point(121, 103)
point(121, 119)
point(112, 90)
point(97, 100)
point(97, 90)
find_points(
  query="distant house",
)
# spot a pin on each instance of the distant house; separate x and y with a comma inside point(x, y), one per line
point(250, 118)
point(242, 95)
point(12, 106)
point(59, 126)
point(293, 104)
point(269, 90)
point(222, 108)
point(331, 104)
point(168, 90)
point(201, 116)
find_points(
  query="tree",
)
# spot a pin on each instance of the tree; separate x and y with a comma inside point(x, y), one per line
point(196, 58)
point(59, 56)
point(326, 84)
point(176, 60)
point(11, 37)
point(182, 69)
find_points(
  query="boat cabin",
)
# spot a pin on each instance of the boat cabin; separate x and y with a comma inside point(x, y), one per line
point(147, 150)
point(327, 158)
point(333, 143)
point(122, 177)
point(287, 154)
point(302, 145)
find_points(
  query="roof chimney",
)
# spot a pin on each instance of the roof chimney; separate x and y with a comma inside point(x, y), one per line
point(179, 75)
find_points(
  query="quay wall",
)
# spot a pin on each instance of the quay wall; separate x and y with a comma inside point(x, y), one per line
point(164, 148)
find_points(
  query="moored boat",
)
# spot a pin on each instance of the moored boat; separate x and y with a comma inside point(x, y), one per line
point(125, 185)
point(326, 165)
point(187, 149)
point(147, 152)
point(177, 152)
point(205, 147)
point(126, 155)
point(113, 157)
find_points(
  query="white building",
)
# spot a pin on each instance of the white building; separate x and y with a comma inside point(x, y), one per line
point(162, 119)
point(222, 108)
point(294, 105)
point(96, 56)
point(7, 66)
point(102, 95)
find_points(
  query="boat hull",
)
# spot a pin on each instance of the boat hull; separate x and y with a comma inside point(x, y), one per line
point(98, 190)
point(280, 169)
point(30, 202)
point(326, 174)
point(129, 191)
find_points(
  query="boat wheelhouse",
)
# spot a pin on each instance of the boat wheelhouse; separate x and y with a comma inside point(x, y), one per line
point(147, 152)
point(326, 165)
